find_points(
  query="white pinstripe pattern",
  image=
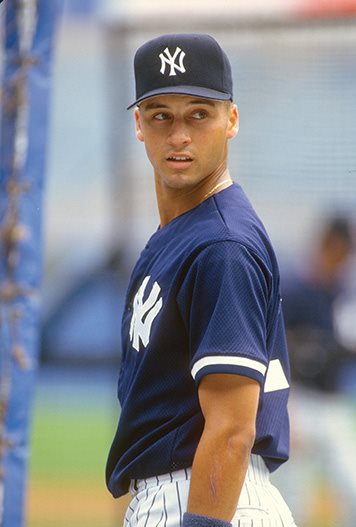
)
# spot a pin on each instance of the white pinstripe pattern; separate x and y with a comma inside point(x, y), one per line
point(161, 501)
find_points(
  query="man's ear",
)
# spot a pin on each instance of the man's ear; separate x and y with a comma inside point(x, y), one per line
point(139, 133)
point(233, 123)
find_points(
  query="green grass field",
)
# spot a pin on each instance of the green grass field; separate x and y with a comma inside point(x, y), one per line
point(73, 425)
point(75, 417)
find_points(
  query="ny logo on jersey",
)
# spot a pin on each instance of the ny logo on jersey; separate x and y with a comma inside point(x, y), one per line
point(170, 60)
point(144, 313)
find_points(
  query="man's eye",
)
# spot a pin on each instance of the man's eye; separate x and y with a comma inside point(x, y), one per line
point(160, 116)
point(199, 115)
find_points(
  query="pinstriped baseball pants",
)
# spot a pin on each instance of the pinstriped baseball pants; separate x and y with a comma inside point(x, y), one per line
point(161, 501)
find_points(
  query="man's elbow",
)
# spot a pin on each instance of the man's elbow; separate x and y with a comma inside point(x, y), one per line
point(241, 442)
point(233, 437)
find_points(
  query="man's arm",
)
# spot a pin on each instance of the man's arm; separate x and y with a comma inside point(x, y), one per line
point(229, 405)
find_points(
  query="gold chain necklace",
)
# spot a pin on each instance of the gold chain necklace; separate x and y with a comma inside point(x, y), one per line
point(227, 180)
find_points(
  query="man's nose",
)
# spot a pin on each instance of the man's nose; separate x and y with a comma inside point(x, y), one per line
point(179, 134)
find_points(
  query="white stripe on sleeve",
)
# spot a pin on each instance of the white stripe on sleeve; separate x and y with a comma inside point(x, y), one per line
point(231, 361)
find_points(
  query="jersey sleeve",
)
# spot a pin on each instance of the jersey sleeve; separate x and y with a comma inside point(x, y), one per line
point(223, 301)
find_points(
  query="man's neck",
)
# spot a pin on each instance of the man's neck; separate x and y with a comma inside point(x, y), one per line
point(175, 202)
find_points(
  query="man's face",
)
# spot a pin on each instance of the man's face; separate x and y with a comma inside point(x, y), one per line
point(185, 137)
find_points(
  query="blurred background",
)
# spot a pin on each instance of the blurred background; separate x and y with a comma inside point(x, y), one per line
point(295, 83)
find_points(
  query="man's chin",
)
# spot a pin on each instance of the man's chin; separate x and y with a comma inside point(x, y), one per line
point(180, 183)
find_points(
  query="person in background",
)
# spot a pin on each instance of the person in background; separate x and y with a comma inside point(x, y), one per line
point(309, 298)
point(321, 368)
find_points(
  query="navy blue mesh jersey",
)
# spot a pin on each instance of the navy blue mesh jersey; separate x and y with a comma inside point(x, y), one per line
point(203, 298)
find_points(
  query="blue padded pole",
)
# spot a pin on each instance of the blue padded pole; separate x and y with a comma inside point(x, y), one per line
point(29, 35)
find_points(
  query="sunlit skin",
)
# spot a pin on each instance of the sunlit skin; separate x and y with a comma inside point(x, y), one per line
point(186, 140)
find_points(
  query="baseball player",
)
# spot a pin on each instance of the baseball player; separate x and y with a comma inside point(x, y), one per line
point(204, 379)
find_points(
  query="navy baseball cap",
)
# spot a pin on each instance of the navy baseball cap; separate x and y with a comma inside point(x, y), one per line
point(185, 64)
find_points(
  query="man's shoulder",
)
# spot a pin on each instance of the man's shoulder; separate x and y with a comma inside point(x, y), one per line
point(237, 221)
point(226, 217)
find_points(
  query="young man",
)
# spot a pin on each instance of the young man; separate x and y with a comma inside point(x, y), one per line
point(204, 379)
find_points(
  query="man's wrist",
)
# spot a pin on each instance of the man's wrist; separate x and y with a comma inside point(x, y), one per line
point(195, 520)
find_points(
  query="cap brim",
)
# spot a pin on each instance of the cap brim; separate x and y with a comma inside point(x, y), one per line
point(195, 91)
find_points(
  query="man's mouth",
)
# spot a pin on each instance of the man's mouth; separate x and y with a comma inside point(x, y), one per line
point(179, 158)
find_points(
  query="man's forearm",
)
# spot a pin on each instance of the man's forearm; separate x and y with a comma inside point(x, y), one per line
point(218, 473)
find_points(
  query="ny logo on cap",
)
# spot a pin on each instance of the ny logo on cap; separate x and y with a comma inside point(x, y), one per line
point(170, 60)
